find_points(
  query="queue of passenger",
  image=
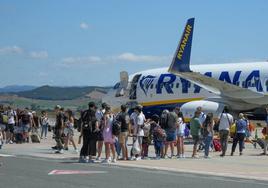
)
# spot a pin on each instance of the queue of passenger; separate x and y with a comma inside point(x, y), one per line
point(164, 132)
point(100, 127)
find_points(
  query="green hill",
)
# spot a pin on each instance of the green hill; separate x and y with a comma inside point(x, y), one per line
point(60, 93)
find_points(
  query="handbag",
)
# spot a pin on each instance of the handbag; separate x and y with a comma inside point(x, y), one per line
point(136, 148)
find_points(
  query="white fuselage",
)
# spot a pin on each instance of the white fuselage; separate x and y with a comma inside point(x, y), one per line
point(158, 87)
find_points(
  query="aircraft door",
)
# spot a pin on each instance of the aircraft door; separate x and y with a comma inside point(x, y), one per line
point(133, 87)
point(266, 84)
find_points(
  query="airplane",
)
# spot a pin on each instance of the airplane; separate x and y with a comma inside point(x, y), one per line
point(239, 86)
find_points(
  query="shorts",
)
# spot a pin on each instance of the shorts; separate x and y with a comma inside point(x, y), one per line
point(68, 131)
point(180, 134)
point(2, 127)
point(99, 136)
point(196, 139)
point(123, 136)
point(26, 127)
point(140, 138)
point(10, 128)
point(171, 136)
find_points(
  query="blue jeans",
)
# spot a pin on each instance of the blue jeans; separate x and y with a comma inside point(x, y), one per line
point(44, 130)
point(117, 146)
point(208, 140)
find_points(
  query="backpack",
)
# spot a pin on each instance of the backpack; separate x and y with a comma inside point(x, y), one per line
point(164, 120)
point(3, 118)
point(116, 127)
point(25, 118)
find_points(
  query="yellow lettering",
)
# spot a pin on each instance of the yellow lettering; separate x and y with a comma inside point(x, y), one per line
point(184, 41)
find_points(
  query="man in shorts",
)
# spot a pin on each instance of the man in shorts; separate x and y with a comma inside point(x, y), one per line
point(123, 118)
point(172, 123)
point(195, 127)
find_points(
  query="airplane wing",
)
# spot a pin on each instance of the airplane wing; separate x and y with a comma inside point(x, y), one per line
point(181, 66)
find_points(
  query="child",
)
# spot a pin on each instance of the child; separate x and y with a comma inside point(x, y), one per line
point(146, 140)
point(159, 137)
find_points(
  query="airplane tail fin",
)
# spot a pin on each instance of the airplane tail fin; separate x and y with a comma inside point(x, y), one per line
point(181, 59)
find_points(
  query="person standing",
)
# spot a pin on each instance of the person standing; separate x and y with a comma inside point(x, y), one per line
point(99, 116)
point(172, 124)
point(195, 127)
point(12, 119)
point(59, 129)
point(208, 133)
point(226, 120)
point(88, 132)
point(266, 135)
point(69, 130)
point(123, 118)
point(138, 131)
point(44, 124)
point(180, 135)
point(240, 134)
point(108, 137)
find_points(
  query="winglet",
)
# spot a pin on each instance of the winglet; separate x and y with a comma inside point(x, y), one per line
point(181, 59)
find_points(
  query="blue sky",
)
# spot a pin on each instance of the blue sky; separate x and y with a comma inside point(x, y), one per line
point(84, 42)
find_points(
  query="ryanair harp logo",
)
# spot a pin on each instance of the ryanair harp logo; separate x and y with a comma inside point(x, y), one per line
point(184, 41)
point(146, 82)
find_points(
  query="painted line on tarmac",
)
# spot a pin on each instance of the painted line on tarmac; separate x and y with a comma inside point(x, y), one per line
point(244, 178)
point(5, 155)
point(71, 172)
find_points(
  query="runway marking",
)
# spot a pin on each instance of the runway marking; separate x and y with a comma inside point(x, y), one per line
point(68, 172)
point(5, 155)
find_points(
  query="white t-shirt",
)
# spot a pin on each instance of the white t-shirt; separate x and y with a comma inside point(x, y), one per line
point(133, 117)
point(181, 127)
point(202, 118)
point(226, 120)
point(11, 116)
point(140, 119)
point(99, 114)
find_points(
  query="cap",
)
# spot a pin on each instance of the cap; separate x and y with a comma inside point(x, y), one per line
point(57, 107)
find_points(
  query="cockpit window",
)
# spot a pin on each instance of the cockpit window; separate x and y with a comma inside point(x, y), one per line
point(116, 86)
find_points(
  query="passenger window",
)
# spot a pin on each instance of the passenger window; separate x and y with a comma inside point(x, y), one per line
point(177, 85)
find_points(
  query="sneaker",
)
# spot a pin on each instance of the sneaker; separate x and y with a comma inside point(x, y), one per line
point(173, 157)
point(114, 160)
point(105, 161)
point(54, 147)
point(232, 153)
point(82, 160)
point(222, 155)
point(10, 142)
point(59, 151)
point(138, 158)
point(98, 159)
point(45, 137)
point(207, 157)
point(76, 151)
point(195, 156)
point(66, 149)
point(90, 161)
point(240, 153)
point(165, 157)
point(133, 158)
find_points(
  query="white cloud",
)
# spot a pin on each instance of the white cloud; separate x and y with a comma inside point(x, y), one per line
point(130, 57)
point(84, 25)
point(122, 58)
point(81, 60)
point(39, 54)
point(11, 50)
